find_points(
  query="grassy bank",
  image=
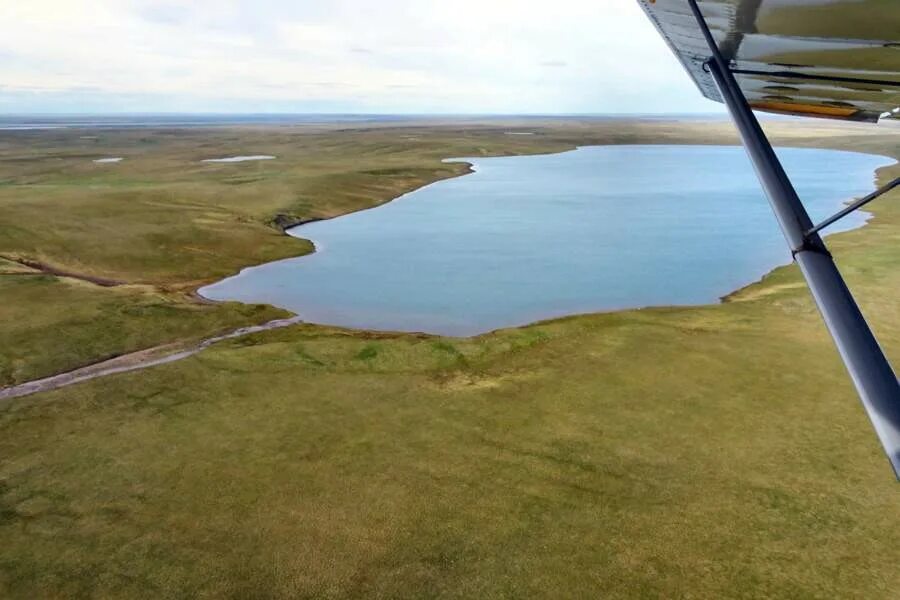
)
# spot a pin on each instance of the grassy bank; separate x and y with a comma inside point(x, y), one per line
point(164, 222)
point(652, 453)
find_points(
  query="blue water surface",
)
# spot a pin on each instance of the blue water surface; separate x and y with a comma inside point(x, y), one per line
point(533, 237)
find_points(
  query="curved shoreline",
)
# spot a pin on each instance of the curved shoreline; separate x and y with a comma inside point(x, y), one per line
point(471, 167)
point(734, 296)
point(156, 356)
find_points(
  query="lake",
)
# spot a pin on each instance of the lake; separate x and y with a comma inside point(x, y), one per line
point(528, 238)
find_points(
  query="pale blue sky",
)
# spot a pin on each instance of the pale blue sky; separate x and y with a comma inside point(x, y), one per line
point(363, 56)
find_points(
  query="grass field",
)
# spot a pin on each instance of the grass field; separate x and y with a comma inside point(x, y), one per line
point(654, 453)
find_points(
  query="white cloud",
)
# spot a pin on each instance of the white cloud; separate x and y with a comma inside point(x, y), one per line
point(387, 56)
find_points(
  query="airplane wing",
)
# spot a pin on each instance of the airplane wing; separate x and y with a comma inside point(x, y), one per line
point(825, 58)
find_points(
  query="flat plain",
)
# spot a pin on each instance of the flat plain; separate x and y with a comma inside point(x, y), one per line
point(710, 451)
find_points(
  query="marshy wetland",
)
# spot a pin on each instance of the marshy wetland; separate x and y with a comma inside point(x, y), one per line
point(637, 453)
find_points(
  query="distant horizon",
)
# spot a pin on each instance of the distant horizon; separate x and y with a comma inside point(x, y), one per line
point(51, 121)
point(111, 113)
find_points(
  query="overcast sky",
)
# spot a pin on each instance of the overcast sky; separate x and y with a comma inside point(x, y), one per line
point(361, 56)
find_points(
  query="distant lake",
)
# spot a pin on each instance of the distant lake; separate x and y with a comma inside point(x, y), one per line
point(533, 237)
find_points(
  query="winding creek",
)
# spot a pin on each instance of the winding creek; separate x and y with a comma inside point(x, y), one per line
point(132, 362)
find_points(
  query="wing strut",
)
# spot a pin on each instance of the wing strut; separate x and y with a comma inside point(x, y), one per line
point(855, 206)
point(869, 369)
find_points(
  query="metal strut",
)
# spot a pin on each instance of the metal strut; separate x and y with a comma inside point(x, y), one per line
point(854, 207)
point(866, 363)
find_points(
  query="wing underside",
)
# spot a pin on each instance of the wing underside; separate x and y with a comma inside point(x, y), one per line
point(827, 58)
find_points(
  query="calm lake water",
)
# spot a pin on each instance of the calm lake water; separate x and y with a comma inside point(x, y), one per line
point(535, 237)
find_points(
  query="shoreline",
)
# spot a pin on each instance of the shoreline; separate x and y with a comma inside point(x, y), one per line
point(150, 357)
point(732, 296)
